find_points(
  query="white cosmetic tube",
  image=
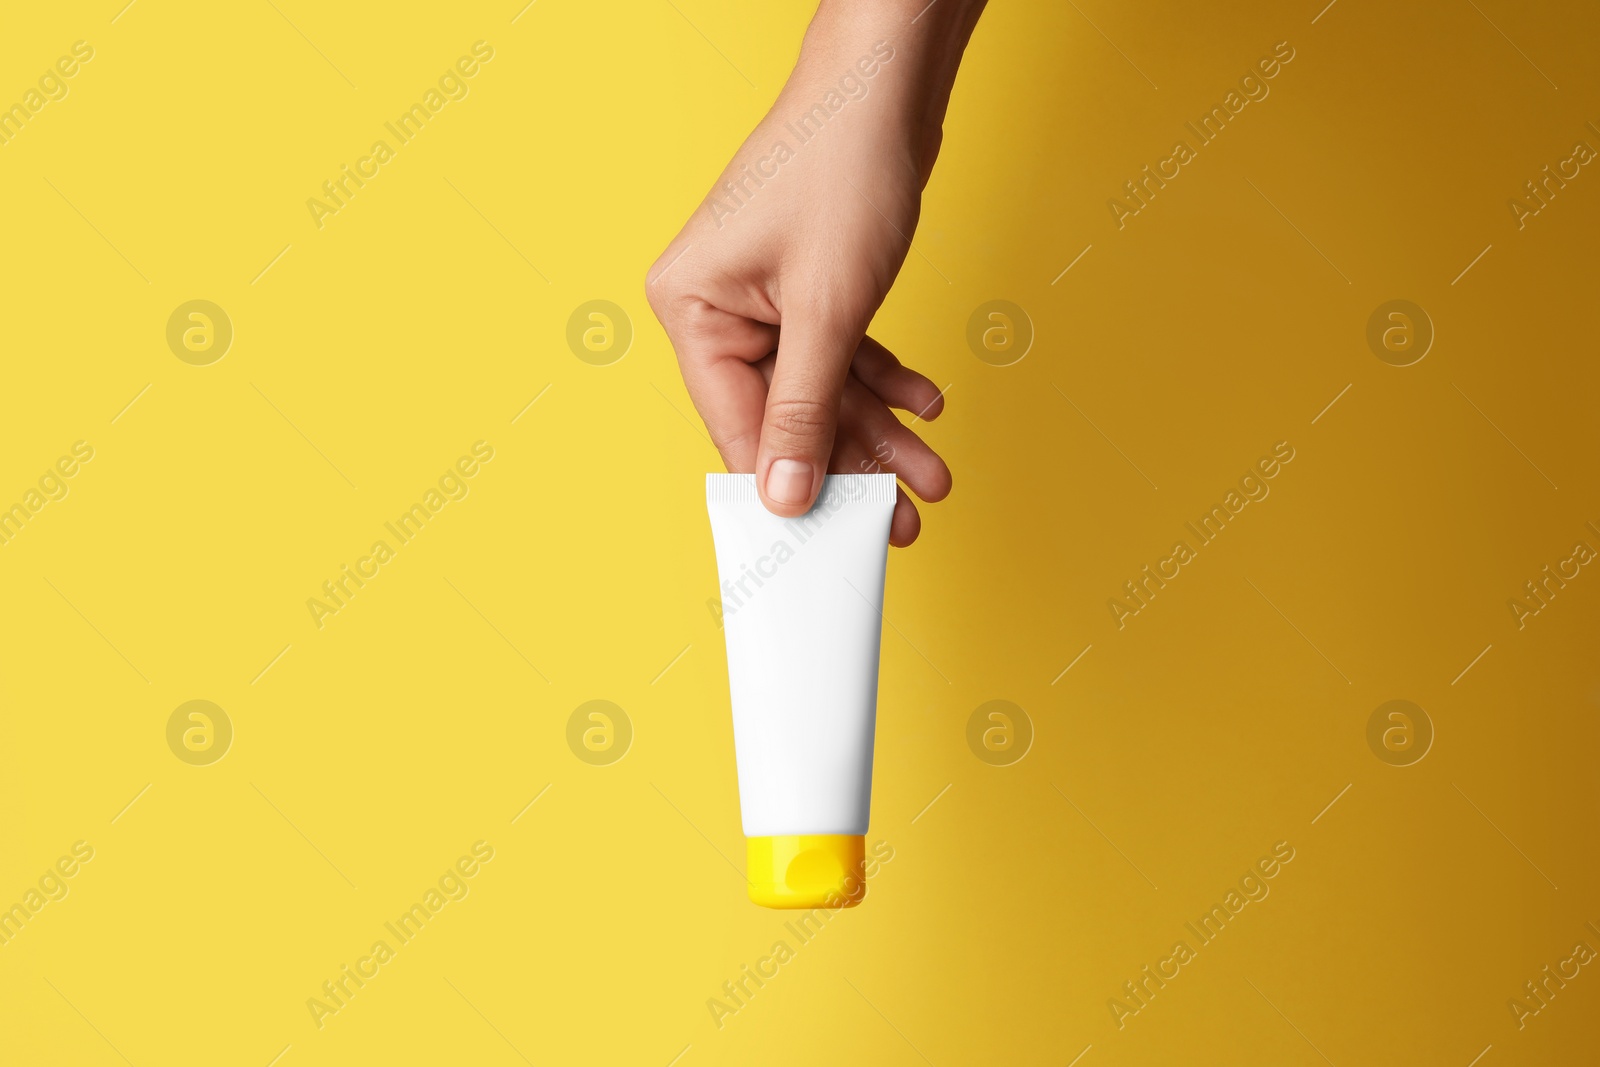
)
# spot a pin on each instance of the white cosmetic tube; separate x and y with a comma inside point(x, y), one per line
point(802, 611)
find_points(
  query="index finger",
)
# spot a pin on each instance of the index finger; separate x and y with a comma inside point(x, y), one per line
point(716, 354)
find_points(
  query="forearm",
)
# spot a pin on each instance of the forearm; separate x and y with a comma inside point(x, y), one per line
point(927, 42)
point(932, 34)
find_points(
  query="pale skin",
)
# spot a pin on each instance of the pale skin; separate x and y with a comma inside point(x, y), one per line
point(767, 297)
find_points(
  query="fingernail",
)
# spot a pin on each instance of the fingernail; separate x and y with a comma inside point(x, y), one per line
point(789, 481)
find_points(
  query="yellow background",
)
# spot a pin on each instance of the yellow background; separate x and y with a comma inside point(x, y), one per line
point(370, 754)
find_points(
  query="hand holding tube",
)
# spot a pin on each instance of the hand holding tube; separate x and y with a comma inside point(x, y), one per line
point(767, 291)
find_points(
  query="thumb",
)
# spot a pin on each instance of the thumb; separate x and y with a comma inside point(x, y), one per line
point(802, 414)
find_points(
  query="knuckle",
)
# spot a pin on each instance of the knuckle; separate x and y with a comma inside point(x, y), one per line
point(666, 283)
point(697, 317)
point(803, 418)
point(662, 293)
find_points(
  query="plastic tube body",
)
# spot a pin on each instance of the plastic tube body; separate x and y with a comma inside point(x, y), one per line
point(802, 612)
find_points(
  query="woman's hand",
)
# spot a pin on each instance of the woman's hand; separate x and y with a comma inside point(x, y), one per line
point(767, 291)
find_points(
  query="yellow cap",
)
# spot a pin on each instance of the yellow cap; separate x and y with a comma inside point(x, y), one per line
point(807, 870)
